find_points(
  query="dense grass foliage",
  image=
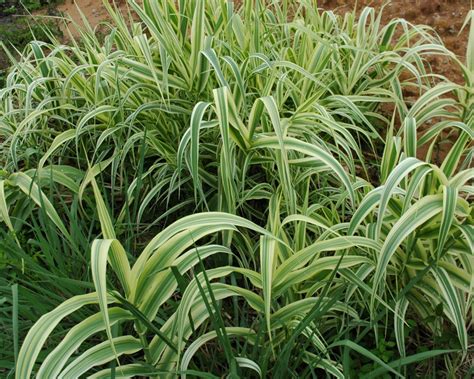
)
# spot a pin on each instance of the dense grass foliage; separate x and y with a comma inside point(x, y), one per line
point(212, 189)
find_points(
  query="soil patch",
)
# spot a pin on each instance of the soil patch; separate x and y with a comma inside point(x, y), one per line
point(92, 10)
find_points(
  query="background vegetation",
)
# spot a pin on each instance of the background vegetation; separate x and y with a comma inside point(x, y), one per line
point(17, 28)
point(213, 189)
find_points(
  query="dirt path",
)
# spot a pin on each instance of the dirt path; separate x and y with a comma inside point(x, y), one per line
point(93, 10)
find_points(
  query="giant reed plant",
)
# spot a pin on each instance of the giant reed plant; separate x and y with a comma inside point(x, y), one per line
point(242, 190)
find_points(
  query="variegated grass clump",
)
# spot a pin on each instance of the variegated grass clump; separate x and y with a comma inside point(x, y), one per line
point(212, 188)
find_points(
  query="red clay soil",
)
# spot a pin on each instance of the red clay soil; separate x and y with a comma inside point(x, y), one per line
point(93, 10)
